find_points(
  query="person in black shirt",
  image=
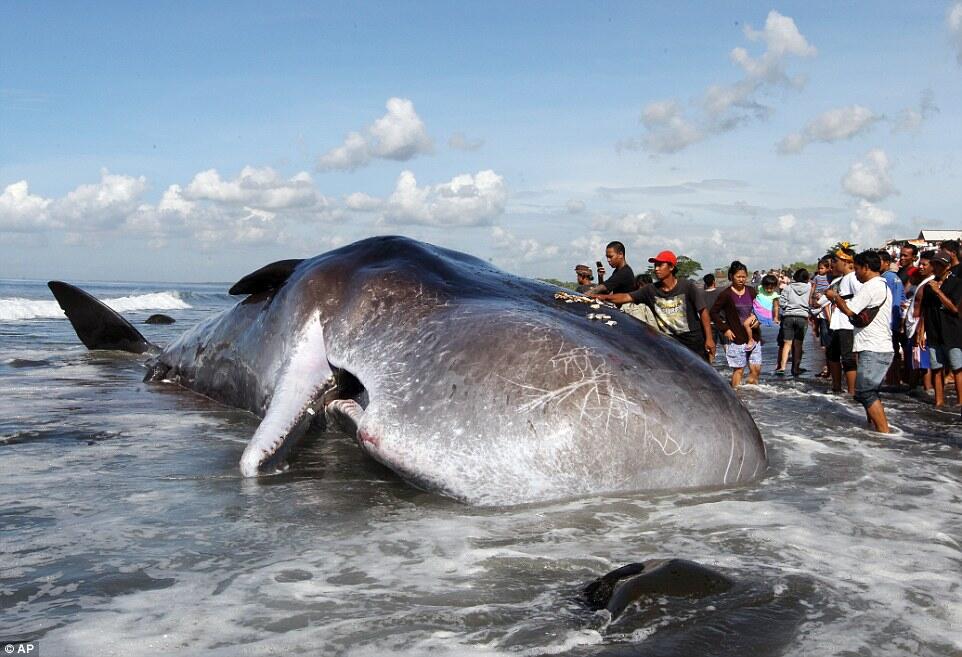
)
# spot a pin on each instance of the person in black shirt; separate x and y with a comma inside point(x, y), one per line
point(941, 301)
point(930, 331)
point(622, 279)
point(677, 304)
point(953, 248)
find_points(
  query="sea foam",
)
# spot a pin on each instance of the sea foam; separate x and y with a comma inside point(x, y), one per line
point(16, 309)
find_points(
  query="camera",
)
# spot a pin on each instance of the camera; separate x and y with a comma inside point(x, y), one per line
point(598, 263)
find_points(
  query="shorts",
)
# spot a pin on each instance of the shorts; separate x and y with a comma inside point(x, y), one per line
point(940, 356)
point(840, 349)
point(794, 328)
point(908, 348)
point(738, 356)
point(872, 368)
point(695, 342)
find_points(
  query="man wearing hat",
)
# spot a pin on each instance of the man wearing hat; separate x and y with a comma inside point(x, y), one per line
point(585, 278)
point(941, 326)
point(840, 352)
point(677, 304)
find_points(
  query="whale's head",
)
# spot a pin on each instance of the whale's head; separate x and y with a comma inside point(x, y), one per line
point(502, 393)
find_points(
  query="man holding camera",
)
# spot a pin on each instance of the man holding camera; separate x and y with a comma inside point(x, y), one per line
point(622, 279)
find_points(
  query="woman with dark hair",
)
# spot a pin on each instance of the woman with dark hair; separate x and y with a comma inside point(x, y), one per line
point(733, 315)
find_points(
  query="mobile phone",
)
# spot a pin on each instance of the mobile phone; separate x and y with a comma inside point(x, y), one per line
point(598, 263)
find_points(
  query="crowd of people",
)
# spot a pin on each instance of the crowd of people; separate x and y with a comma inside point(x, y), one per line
point(878, 319)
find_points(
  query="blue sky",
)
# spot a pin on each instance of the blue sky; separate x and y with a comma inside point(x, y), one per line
point(198, 141)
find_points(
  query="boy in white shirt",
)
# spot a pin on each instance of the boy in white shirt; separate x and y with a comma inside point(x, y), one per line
point(870, 312)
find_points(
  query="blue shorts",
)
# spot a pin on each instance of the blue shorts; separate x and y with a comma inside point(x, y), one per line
point(872, 367)
point(739, 356)
point(940, 356)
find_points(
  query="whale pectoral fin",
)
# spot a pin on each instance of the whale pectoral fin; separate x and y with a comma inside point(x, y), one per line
point(297, 401)
point(267, 278)
point(97, 325)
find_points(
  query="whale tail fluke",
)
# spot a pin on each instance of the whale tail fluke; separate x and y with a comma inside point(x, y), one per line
point(97, 325)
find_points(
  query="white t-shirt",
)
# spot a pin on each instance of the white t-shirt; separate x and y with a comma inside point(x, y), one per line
point(877, 336)
point(911, 321)
point(847, 288)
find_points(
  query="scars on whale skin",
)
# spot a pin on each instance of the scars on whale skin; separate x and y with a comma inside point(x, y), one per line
point(462, 378)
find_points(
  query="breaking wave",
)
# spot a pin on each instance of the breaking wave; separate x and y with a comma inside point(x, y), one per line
point(15, 309)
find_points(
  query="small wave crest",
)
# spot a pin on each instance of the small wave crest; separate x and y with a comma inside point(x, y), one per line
point(16, 309)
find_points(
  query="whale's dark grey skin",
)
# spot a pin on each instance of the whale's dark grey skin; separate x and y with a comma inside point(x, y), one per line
point(652, 578)
point(672, 607)
point(464, 379)
point(159, 318)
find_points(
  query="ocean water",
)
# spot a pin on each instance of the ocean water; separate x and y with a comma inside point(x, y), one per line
point(126, 529)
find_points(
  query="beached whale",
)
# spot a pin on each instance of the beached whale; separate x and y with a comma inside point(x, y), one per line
point(460, 377)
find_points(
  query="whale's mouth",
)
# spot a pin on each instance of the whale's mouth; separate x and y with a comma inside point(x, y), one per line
point(345, 402)
point(348, 387)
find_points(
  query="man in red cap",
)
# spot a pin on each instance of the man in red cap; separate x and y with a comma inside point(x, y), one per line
point(677, 304)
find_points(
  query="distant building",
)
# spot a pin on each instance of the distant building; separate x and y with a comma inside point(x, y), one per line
point(928, 239)
point(933, 238)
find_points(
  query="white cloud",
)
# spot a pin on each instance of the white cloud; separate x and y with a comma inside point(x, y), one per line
point(953, 20)
point(398, 135)
point(628, 226)
point(512, 249)
point(589, 248)
point(869, 179)
point(724, 107)
point(868, 222)
point(361, 202)
point(260, 188)
point(782, 37)
point(258, 207)
point(832, 126)
point(867, 213)
point(467, 200)
point(21, 211)
point(911, 119)
point(667, 130)
point(460, 142)
point(787, 222)
point(574, 206)
point(103, 205)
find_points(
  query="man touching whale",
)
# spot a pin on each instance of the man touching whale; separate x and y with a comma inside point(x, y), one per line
point(678, 306)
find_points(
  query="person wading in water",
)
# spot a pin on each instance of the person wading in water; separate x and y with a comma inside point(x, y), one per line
point(733, 314)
